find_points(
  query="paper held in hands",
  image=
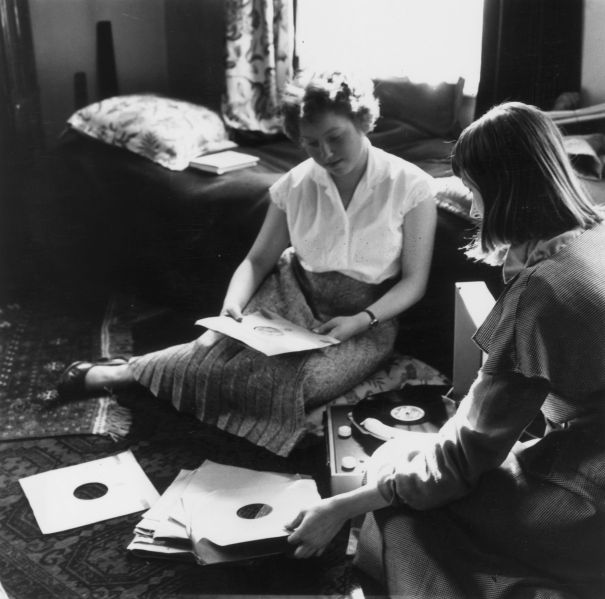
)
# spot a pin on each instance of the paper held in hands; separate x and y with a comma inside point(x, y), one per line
point(268, 333)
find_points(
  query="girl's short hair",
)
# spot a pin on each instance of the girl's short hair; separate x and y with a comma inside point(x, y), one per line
point(308, 98)
point(514, 156)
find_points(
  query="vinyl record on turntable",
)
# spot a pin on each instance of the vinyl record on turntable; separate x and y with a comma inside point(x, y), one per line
point(411, 405)
point(389, 409)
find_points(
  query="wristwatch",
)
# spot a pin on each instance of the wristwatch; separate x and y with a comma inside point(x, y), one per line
point(373, 320)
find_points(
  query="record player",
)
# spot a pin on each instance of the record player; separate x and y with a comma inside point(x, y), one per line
point(354, 432)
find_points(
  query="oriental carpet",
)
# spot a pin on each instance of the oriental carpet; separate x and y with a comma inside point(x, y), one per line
point(92, 561)
point(37, 342)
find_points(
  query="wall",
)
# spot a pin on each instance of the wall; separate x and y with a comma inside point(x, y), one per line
point(177, 47)
point(195, 38)
point(64, 34)
point(593, 65)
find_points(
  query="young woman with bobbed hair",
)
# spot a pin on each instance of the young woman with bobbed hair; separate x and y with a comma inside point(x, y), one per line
point(345, 248)
point(477, 511)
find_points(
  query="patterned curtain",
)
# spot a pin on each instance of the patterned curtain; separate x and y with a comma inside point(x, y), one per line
point(260, 51)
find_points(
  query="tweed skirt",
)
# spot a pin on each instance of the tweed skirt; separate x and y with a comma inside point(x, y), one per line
point(265, 399)
point(514, 535)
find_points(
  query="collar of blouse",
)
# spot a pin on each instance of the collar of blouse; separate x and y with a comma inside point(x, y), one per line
point(375, 171)
point(526, 254)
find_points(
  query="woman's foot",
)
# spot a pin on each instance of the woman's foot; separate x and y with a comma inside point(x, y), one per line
point(85, 379)
point(115, 375)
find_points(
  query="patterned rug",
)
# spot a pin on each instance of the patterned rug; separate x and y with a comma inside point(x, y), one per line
point(36, 344)
point(92, 561)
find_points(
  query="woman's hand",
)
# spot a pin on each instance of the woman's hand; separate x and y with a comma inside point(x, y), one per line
point(344, 327)
point(233, 310)
point(315, 527)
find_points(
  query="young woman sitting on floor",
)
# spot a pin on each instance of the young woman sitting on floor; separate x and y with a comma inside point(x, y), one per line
point(345, 247)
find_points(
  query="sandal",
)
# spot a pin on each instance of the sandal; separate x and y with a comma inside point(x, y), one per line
point(72, 385)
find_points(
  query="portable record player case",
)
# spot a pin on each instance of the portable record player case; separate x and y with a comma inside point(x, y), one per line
point(473, 302)
point(337, 448)
point(347, 454)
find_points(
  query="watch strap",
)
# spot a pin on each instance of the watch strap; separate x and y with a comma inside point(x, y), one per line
point(373, 320)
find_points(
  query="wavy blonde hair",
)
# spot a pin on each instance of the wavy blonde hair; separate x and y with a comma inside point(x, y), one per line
point(310, 96)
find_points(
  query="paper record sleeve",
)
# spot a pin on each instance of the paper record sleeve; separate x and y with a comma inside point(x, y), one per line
point(221, 518)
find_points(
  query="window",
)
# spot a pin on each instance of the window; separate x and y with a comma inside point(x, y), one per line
point(425, 40)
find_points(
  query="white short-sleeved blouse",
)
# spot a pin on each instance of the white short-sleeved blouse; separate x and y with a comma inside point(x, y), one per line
point(364, 241)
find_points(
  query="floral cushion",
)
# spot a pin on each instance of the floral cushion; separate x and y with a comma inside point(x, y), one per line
point(400, 370)
point(169, 132)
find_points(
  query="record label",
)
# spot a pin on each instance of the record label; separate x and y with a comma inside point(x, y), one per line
point(407, 413)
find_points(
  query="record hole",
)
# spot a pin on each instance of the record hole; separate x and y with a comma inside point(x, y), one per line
point(254, 510)
point(90, 491)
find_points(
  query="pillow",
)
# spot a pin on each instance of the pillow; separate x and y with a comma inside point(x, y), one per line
point(169, 132)
point(453, 196)
point(390, 133)
point(587, 153)
point(400, 370)
point(431, 108)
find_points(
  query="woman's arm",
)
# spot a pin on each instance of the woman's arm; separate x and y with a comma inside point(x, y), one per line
point(418, 238)
point(316, 526)
point(425, 470)
point(478, 438)
point(271, 241)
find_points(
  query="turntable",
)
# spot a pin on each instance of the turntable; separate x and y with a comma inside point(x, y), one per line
point(354, 432)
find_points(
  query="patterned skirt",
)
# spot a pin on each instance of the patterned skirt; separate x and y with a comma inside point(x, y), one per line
point(264, 399)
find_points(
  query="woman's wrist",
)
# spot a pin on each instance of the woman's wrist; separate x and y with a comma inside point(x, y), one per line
point(369, 318)
point(341, 507)
point(356, 502)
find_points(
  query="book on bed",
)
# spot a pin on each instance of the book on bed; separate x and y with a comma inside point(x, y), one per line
point(223, 162)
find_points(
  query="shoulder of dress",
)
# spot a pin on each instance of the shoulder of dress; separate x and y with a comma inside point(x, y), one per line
point(542, 287)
